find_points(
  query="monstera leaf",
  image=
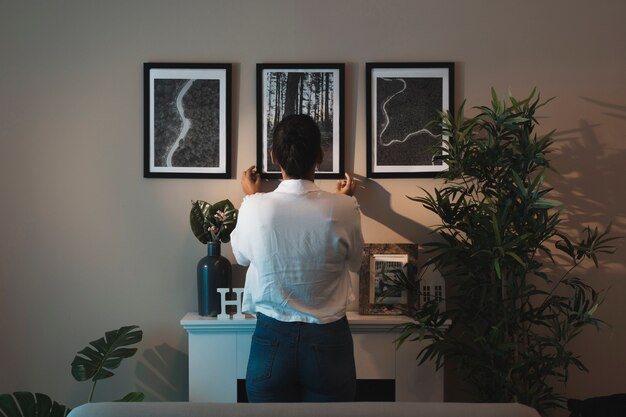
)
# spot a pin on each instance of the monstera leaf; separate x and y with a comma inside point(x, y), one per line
point(220, 217)
point(27, 404)
point(199, 227)
point(105, 354)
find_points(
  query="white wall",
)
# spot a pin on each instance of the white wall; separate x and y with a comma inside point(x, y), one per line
point(88, 245)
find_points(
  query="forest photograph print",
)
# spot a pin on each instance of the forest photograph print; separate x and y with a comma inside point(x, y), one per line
point(315, 90)
point(403, 99)
point(187, 120)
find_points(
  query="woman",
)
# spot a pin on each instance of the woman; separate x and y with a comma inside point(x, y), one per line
point(300, 243)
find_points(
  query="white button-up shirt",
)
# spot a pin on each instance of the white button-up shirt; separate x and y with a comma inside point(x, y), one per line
point(300, 243)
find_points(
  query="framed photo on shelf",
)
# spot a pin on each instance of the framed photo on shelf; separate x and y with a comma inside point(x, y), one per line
point(313, 89)
point(381, 260)
point(187, 117)
point(402, 99)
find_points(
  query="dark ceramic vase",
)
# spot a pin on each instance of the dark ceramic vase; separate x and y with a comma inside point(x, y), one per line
point(214, 271)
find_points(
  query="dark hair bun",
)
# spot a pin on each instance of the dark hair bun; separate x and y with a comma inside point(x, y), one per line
point(296, 144)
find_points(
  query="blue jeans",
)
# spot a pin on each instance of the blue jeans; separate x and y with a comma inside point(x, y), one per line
point(295, 361)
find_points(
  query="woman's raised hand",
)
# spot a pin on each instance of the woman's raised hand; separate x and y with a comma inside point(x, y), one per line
point(251, 181)
point(347, 186)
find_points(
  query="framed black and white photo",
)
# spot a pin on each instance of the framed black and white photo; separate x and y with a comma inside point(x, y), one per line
point(187, 116)
point(381, 261)
point(402, 99)
point(313, 89)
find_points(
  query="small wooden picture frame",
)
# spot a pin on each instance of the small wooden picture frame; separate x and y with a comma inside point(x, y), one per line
point(380, 259)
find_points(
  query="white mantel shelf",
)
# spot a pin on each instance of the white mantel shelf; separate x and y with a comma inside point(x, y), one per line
point(219, 350)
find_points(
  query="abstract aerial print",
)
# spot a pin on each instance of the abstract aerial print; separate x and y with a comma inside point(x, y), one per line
point(405, 106)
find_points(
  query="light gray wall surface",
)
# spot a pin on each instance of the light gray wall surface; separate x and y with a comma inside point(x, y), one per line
point(88, 245)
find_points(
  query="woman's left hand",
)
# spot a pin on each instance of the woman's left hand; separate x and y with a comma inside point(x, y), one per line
point(251, 181)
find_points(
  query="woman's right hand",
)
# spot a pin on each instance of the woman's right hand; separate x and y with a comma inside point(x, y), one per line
point(347, 186)
point(251, 181)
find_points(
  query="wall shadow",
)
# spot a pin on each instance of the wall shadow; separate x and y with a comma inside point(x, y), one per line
point(615, 110)
point(353, 75)
point(163, 374)
point(589, 178)
point(591, 168)
point(375, 202)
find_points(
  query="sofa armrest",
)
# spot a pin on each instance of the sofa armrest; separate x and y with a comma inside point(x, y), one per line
point(356, 409)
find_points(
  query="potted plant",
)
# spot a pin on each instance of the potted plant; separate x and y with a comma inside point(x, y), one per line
point(93, 363)
point(212, 225)
point(511, 317)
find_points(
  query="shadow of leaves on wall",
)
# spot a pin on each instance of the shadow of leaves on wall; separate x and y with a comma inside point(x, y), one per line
point(589, 181)
point(163, 374)
point(616, 110)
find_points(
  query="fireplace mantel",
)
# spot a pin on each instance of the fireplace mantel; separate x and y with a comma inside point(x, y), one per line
point(219, 349)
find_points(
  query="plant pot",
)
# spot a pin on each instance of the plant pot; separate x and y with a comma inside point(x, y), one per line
point(214, 271)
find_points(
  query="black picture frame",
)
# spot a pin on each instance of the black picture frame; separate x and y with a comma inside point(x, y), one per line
point(191, 136)
point(401, 100)
point(370, 278)
point(314, 89)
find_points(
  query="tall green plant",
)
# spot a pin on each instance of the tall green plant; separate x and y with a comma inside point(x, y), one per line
point(510, 320)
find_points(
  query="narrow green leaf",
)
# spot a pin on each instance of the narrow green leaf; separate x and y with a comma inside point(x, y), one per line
point(496, 265)
point(517, 258)
point(545, 204)
point(496, 230)
point(520, 185)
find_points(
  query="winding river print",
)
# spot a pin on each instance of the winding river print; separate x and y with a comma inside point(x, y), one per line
point(186, 123)
point(404, 102)
point(404, 108)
